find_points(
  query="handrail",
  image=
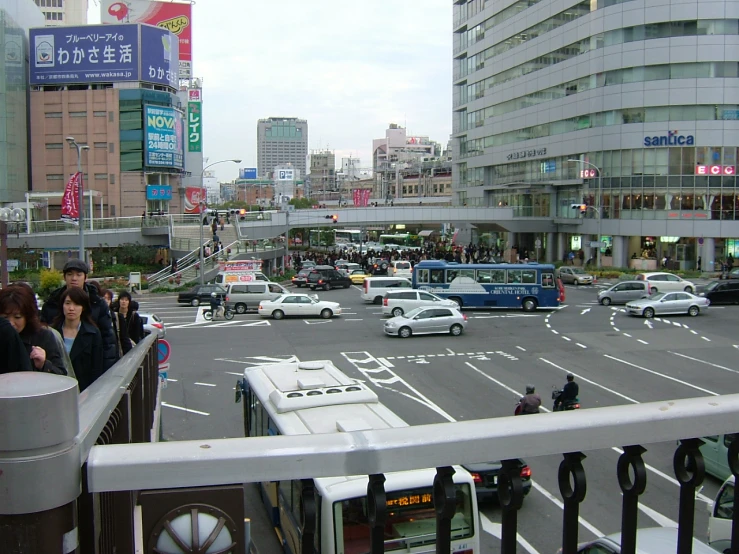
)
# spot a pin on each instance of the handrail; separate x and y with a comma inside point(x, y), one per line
point(97, 402)
point(209, 462)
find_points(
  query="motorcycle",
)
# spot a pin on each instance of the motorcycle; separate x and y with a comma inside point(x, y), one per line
point(571, 405)
point(228, 314)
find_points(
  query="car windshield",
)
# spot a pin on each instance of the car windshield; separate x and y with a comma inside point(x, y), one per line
point(577, 271)
point(413, 313)
point(712, 285)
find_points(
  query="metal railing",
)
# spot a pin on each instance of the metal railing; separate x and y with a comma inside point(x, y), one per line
point(130, 489)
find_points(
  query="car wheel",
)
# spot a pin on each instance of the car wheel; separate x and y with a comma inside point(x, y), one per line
point(457, 300)
point(693, 311)
point(347, 285)
point(404, 332)
point(397, 312)
point(326, 287)
point(576, 283)
point(299, 285)
point(195, 302)
point(605, 301)
point(326, 313)
point(278, 314)
point(240, 308)
point(456, 330)
point(655, 290)
point(648, 313)
point(688, 289)
point(378, 300)
point(529, 305)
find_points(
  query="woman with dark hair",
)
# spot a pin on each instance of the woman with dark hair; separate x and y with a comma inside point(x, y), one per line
point(120, 329)
point(127, 308)
point(82, 339)
point(18, 306)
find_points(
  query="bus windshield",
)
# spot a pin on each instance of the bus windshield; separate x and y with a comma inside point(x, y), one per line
point(347, 236)
point(404, 239)
point(411, 520)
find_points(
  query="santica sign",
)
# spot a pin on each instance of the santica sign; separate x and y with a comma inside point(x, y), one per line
point(672, 138)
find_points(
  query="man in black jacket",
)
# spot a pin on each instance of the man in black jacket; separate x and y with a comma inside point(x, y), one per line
point(570, 392)
point(75, 275)
point(13, 355)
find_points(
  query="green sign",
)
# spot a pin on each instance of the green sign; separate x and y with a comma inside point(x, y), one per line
point(194, 127)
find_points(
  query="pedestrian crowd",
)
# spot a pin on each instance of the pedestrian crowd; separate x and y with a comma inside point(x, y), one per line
point(80, 331)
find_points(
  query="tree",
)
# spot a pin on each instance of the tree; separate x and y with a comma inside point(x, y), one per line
point(302, 203)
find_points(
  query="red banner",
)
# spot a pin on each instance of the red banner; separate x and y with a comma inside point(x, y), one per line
point(193, 196)
point(361, 197)
point(70, 200)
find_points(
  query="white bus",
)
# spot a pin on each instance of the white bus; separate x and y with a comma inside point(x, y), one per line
point(347, 237)
point(405, 241)
point(299, 398)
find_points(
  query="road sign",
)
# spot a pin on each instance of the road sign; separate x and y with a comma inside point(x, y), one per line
point(595, 244)
point(537, 243)
point(163, 351)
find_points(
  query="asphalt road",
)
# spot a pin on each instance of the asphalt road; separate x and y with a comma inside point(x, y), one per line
point(618, 359)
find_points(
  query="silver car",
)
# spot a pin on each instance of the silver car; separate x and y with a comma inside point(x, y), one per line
point(152, 324)
point(624, 292)
point(668, 303)
point(575, 276)
point(426, 321)
point(652, 540)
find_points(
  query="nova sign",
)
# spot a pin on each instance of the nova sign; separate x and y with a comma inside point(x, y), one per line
point(672, 138)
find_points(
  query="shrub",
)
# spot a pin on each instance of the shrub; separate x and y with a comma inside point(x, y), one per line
point(49, 280)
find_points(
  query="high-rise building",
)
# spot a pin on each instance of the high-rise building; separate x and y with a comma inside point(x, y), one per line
point(64, 12)
point(322, 170)
point(280, 141)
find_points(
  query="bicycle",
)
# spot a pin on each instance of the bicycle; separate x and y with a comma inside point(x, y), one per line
point(228, 314)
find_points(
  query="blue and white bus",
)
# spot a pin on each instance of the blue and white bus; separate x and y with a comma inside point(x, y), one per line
point(526, 286)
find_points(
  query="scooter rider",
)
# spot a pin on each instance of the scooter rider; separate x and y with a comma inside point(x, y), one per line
point(216, 305)
point(531, 402)
point(569, 394)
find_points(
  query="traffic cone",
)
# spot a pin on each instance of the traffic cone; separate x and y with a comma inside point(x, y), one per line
point(595, 279)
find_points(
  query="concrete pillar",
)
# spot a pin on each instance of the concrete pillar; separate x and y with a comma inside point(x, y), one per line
point(41, 477)
point(708, 263)
point(513, 239)
point(619, 251)
point(561, 246)
point(550, 248)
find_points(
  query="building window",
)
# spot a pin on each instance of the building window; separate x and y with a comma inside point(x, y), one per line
point(77, 114)
point(54, 177)
point(112, 178)
point(53, 145)
point(101, 144)
point(99, 113)
point(101, 176)
point(111, 117)
point(111, 148)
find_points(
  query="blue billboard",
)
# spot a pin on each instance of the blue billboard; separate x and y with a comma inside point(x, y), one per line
point(103, 53)
point(164, 143)
point(248, 173)
point(159, 192)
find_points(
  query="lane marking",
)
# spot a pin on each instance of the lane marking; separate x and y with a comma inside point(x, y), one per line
point(589, 381)
point(555, 332)
point(706, 339)
point(627, 335)
point(642, 341)
point(521, 348)
point(561, 506)
point(568, 339)
point(384, 362)
point(188, 410)
point(669, 377)
point(581, 345)
point(175, 380)
point(204, 384)
point(234, 373)
point(702, 361)
point(496, 530)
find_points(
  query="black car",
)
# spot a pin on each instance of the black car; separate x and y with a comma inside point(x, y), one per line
point(721, 292)
point(485, 476)
point(326, 277)
point(301, 278)
point(379, 267)
point(200, 294)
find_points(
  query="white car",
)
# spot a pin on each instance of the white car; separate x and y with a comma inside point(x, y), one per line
point(401, 268)
point(301, 305)
point(666, 282)
point(399, 302)
point(152, 324)
point(668, 303)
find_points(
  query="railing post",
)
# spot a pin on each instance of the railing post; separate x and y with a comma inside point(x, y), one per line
point(690, 470)
point(631, 458)
point(377, 512)
point(39, 464)
point(510, 495)
point(445, 504)
point(571, 467)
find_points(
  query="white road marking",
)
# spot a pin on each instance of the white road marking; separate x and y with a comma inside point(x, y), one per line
point(669, 377)
point(663, 521)
point(703, 362)
point(450, 351)
point(384, 362)
point(555, 332)
point(352, 319)
point(676, 324)
point(694, 332)
point(496, 529)
point(188, 410)
point(706, 339)
point(315, 322)
point(568, 339)
point(667, 321)
point(581, 345)
point(617, 329)
point(175, 380)
point(561, 506)
point(648, 324)
point(642, 341)
point(627, 335)
point(204, 384)
point(589, 381)
point(234, 373)
point(586, 310)
point(521, 348)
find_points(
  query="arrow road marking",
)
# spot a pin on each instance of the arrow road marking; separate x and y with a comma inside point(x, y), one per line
point(586, 310)
point(315, 322)
point(648, 324)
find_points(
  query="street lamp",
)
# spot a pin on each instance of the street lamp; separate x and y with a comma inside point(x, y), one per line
point(201, 205)
point(81, 214)
point(6, 214)
point(598, 203)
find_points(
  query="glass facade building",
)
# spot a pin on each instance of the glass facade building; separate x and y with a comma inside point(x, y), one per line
point(629, 107)
point(281, 141)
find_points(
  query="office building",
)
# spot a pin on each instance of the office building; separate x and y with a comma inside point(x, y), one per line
point(64, 12)
point(280, 141)
point(322, 171)
point(644, 98)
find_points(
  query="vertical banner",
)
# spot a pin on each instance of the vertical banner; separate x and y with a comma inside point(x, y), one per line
point(365, 197)
point(194, 127)
point(193, 196)
point(70, 199)
point(356, 197)
point(361, 197)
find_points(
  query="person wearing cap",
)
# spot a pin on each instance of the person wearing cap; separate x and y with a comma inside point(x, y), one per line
point(75, 275)
point(530, 403)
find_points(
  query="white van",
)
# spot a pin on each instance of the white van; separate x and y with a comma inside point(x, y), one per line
point(225, 277)
point(402, 268)
point(374, 288)
point(720, 518)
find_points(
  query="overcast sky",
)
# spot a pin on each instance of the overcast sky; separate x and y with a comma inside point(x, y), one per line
point(348, 67)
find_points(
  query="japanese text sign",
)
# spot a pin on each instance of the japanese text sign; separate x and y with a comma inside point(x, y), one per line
point(194, 127)
point(159, 56)
point(159, 192)
point(164, 142)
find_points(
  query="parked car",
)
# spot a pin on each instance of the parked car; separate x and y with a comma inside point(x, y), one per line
point(241, 297)
point(624, 292)
point(733, 274)
point(397, 302)
point(666, 282)
point(374, 288)
point(486, 476)
point(425, 321)
point(402, 268)
point(152, 324)
point(300, 279)
point(200, 294)
point(575, 276)
point(301, 305)
point(358, 276)
point(326, 278)
point(668, 303)
point(721, 292)
point(652, 540)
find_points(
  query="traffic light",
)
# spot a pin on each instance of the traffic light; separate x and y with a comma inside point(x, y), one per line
point(334, 217)
point(581, 207)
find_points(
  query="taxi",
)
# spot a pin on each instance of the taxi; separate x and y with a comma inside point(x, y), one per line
point(358, 276)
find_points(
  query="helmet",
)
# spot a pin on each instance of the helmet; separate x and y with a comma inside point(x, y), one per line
point(530, 389)
point(213, 294)
point(570, 377)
